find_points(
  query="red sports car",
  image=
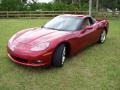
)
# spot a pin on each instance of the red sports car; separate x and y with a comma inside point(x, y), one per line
point(50, 44)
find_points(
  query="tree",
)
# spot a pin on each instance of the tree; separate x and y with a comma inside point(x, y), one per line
point(10, 5)
point(24, 1)
point(69, 5)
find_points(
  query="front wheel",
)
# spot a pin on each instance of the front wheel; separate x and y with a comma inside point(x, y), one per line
point(102, 37)
point(59, 56)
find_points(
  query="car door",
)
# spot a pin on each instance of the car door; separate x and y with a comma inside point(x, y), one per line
point(89, 32)
point(86, 35)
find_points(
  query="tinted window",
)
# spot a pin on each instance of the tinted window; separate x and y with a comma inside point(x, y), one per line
point(85, 23)
point(92, 20)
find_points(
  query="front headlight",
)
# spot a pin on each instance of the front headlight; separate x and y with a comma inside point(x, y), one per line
point(40, 47)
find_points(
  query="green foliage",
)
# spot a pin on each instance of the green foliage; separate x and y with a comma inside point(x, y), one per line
point(57, 5)
point(11, 5)
point(112, 4)
point(53, 7)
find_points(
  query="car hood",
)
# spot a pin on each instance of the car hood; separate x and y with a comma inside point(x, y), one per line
point(38, 35)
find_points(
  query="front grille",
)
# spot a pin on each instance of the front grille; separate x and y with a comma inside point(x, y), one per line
point(20, 59)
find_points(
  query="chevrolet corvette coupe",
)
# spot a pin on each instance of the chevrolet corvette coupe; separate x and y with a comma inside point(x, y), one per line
point(51, 44)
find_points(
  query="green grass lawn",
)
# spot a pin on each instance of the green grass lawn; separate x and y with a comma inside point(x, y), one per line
point(95, 68)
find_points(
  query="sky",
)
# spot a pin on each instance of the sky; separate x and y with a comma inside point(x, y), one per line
point(43, 0)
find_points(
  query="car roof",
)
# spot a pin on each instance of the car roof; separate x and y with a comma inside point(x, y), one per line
point(75, 15)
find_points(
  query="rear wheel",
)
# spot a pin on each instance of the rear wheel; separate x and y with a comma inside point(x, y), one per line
point(59, 56)
point(102, 37)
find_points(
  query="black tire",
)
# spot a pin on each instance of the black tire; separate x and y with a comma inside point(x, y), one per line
point(57, 60)
point(102, 37)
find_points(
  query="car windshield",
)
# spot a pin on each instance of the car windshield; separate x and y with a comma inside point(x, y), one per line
point(66, 23)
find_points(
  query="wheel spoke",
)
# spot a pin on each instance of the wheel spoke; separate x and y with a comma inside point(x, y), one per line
point(103, 36)
point(63, 55)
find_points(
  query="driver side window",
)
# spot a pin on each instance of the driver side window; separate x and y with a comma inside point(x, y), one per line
point(85, 23)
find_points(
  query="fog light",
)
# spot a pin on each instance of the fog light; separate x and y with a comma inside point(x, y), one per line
point(37, 62)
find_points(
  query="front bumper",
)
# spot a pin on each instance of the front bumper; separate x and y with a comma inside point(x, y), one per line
point(27, 60)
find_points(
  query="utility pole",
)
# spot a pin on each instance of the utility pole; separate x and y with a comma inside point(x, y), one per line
point(90, 7)
point(97, 5)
